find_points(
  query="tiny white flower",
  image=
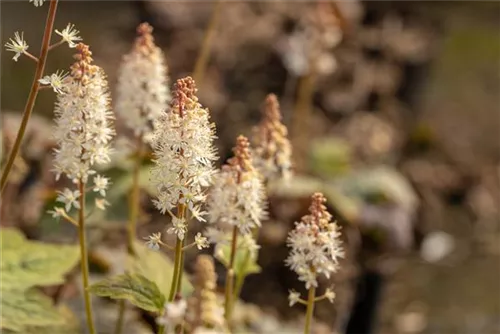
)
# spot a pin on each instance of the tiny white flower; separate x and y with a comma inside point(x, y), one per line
point(293, 298)
point(100, 184)
point(37, 3)
point(70, 35)
point(17, 45)
point(55, 80)
point(101, 203)
point(69, 198)
point(174, 313)
point(57, 212)
point(200, 241)
point(153, 241)
point(330, 295)
point(178, 228)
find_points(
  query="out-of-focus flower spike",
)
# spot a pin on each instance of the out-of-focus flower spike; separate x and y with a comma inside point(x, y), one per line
point(142, 88)
point(272, 149)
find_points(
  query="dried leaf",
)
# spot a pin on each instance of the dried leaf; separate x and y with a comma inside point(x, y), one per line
point(137, 289)
point(25, 264)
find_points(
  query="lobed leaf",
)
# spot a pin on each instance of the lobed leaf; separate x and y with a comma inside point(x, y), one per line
point(135, 288)
point(30, 308)
point(157, 267)
point(25, 264)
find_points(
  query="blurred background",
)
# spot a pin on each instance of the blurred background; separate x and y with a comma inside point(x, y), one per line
point(393, 112)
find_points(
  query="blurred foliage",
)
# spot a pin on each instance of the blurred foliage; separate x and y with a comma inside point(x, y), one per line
point(25, 264)
point(244, 263)
point(330, 157)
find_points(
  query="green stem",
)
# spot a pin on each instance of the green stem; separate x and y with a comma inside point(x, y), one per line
point(30, 103)
point(161, 329)
point(181, 266)
point(230, 278)
point(84, 259)
point(134, 199)
point(121, 317)
point(177, 263)
point(240, 277)
point(310, 309)
point(202, 60)
point(132, 225)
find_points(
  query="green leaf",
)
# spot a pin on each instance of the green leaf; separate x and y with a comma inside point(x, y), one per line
point(330, 157)
point(21, 309)
point(25, 264)
point(137, 289)
point(11, 238)
point(245, 263)
point(157, 267)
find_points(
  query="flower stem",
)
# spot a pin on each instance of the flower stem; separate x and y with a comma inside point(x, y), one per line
point(84, 259)
point(230, 278)
point(202, 60)
point(240, 277)
point(134, 199)
point(181, 266)
point(179, 257)
point(177, 264)
point(121, 317)
point(49, 25)
point(132, 225)
point(161, 329)
point(310, 309)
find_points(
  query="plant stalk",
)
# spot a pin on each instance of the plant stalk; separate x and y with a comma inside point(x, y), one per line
point(202, 60)
point(28, 109)
point(310, 309)
point(134, 199)
point(181, 266)
point(84, 259)
point(230, 278)
point(121, 317)
point(179, 253)
point(177, 263)
point(161, 329)
point(132, 225)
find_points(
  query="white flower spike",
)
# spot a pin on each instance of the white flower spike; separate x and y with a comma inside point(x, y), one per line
point(17, 45)
point(316, 245)
point(184, 152)
point(273, 151)
point(237, 197)
point(83, 120)
point(69, 35)
point(142, 87)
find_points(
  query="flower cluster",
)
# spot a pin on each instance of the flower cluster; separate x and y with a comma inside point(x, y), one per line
point(83, 121)
point(204, 312)
point(316, 245)
point(184, 155)
point(272, 152)
point(237, 197)
point(142, 89)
